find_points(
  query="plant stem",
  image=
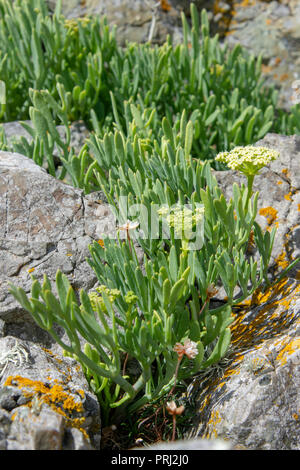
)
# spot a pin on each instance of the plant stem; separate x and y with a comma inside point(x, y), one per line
point(249, 193)
point(174, 428)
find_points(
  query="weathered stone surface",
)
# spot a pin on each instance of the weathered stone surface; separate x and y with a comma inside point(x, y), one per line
point(43, 396)
point(190, 444)
point(134, 20)
point(45, 225)
point(252, 398)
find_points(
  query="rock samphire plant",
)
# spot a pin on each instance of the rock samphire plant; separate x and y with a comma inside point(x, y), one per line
point(146, 313)
point(159, 117)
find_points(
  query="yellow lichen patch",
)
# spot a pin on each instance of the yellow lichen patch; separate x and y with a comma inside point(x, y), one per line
point(270, 319)
point(279, 182)
point(288, 196)
point(285, 171)
point(215, 418)
point(54, 356)
point(31, 270)
point(290, 345)
point(298, 207)
point(269, 213)
point(56, 395)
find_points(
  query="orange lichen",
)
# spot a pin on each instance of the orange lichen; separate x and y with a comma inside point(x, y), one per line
point(31, 270)
point(56, 395)
point(245, 335)
point(285, 171)
point(101, 243)
point(54, 356)
point(281, 260)
point(266, 68)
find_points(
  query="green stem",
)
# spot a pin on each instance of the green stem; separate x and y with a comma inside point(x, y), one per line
point(250, 186)
point(84, 359)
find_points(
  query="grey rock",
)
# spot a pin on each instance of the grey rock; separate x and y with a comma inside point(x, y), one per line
point(8, 399)
point(43, 230)
point(271, 29)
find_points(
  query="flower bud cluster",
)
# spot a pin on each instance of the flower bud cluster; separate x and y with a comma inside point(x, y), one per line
point(249, 160)
point(183, 220)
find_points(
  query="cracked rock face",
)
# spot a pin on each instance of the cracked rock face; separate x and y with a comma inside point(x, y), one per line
point(279, 197)
point(46, 225)
point(252, 398)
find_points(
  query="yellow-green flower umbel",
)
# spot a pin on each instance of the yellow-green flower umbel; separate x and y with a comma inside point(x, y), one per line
point(249, 161)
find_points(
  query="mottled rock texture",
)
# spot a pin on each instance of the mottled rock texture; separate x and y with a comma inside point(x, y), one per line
point(252, 398)
point(44, 400)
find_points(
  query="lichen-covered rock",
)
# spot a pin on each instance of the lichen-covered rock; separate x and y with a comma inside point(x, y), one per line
point(252, 397)
point(14, 131)
point(273, 30)
point(46, 225)
point(45, 402)
point(134, 20)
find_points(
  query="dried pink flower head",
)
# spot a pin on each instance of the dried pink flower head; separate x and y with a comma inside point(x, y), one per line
point(189, 348)
point(129, 226)
point(172, 409)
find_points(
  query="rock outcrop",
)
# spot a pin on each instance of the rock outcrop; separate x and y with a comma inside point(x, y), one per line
point(270, 28)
